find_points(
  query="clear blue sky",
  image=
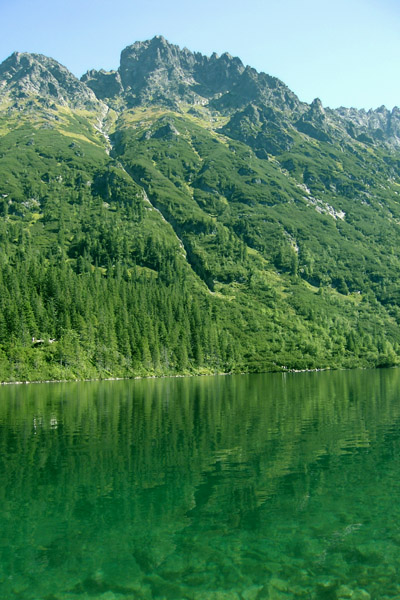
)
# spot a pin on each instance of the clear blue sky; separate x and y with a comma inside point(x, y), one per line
point(346, 52)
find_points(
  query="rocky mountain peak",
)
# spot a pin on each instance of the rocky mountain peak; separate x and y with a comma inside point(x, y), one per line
point(23, 75)
point(316, 107)
point(155, 71)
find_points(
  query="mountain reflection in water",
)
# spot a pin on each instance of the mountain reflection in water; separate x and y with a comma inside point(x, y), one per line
point(253, 486)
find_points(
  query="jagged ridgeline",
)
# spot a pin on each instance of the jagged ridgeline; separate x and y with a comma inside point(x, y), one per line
point(187, 214)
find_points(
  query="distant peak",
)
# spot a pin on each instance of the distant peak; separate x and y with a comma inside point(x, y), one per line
point(161, 40)
point(316, 103)
point(382, 109)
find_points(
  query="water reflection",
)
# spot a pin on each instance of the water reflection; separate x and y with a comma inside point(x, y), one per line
point(192, 487)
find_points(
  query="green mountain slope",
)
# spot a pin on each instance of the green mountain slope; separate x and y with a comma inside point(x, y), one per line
point(186, 214)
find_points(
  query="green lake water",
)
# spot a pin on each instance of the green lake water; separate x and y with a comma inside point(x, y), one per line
point(209, 488)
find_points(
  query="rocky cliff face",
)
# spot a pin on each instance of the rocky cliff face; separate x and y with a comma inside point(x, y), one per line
point(104, 84)
point(380, 125)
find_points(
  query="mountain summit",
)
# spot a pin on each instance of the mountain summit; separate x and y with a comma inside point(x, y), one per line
point(25, 75)
point(157, 72)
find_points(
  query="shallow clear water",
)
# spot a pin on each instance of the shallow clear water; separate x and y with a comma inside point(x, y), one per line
point(243, 487)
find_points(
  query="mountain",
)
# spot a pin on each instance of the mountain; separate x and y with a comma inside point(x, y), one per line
point(156, 72)
point(187, 214)
point(25, 75)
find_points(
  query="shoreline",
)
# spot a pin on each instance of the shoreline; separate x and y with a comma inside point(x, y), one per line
point(116, 378)
point(178, 376)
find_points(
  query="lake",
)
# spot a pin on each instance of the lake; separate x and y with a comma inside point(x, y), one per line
point(246, 487)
